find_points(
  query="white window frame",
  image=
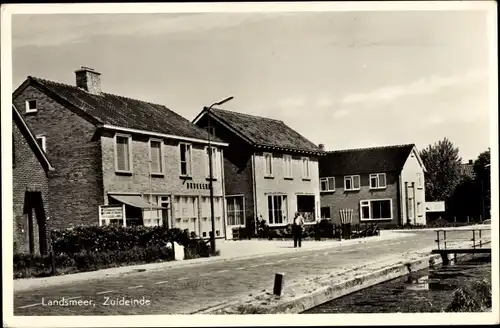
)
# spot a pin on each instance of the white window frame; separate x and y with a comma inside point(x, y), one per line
point(326, 179)
point(129, 137)
point(284, 213)
point(189, 164)
point(161, 159)
point(362, 203)
point(287, 160)
point(242, 197)
point(44, 141)
point(28, 110)
point(215, 166)
point(420, 180)
point(268, 174)
point(377, 176)
point(306, 171)
point(351, 178)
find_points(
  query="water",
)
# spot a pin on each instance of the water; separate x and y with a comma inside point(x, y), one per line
point(424, 291)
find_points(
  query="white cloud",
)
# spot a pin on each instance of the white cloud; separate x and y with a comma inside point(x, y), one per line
point(424, 86)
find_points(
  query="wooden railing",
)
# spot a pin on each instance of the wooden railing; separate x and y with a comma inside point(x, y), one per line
point(478, 238)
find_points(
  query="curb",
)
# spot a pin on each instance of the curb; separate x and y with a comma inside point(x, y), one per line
point(32, 283)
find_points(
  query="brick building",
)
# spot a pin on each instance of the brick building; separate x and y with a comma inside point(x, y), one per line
point(271, 171)
point(382, 185)
point(30, 170)
point(121, 160)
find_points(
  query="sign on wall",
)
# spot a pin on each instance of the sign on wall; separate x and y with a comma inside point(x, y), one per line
point(434, 206)
point(111, 214)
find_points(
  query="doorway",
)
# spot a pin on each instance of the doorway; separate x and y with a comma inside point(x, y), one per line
point(306, 207)
point(35, 226)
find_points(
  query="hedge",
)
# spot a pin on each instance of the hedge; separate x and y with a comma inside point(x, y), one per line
point(88, 248)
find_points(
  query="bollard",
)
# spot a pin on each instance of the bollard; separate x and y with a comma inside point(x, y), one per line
point(279, 280)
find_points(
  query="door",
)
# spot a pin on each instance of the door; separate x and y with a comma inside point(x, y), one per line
point(235, 209)
point(164, 201)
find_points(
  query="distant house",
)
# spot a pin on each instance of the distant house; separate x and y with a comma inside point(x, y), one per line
point(30, 169)
point(271, 171)
point(382, 185)
point(467, 170)
point(120, 160)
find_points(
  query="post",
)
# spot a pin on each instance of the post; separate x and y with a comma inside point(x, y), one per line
point(52, 260)
point(480, 241)
point(455, 221)
point(444, 238)
point(437, 240)
point(279, 280)
point(474, 239)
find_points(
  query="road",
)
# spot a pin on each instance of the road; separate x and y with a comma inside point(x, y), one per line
point(185, 290)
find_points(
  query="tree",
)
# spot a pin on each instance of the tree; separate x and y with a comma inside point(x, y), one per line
point(482, 171)
point(443, 170)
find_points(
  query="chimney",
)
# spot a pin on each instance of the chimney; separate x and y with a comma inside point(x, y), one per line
point(89, 80)
point(321, 146)
point(471, 162)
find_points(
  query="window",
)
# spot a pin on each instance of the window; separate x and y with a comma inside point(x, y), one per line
point(351, 182)
point(420, 181)
point(31, 106)
point(327, 184)
point(123, 153)
point(377, 181)
point(376, 209)
point(156, 156)
point(277, 207)
point(155, 217)
point(268, 158)
point(325, 213)
point(42, 141)
point(185, 150)
point(420, 209)
point(305, 167)
point(215, 165)
point(235, 211)
point(288, 166)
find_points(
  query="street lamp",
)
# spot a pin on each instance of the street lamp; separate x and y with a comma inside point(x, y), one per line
point(210, 167)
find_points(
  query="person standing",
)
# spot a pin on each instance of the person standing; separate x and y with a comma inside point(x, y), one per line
point(298, 223)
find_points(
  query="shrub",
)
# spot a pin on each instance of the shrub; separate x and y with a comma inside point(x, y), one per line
point(474, 297)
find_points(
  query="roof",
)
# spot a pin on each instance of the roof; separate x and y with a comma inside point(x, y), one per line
point(365, 160)
point(30, 137)
point(118, 111)
point(262, 131)
point(467, 170)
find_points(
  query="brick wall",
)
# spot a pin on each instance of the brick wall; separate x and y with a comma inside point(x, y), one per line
point(341, 199)
point(75, 187)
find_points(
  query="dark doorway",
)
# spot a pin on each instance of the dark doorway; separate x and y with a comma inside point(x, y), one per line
point(35, 223)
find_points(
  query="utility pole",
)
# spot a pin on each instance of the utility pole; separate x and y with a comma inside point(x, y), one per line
point(210, 168)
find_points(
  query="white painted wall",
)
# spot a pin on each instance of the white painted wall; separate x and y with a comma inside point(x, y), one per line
point(409, 174)
point(290, 187)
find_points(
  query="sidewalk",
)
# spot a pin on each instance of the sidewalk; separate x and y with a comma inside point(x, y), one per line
point(229, 250)
point(483, 226)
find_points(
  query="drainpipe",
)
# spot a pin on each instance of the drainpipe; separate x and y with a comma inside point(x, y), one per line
point(414, 203)
point(224, 204)
point(254, 188)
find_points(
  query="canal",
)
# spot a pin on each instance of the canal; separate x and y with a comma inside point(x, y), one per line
point(429, 290)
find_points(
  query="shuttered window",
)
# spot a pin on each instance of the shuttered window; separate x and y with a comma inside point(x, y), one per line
point(123, 153)
point(155, 152)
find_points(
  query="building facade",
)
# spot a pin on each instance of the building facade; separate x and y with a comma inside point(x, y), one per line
point(121, 160)
point(383, 185)
point(30, 171)
point(271, 170)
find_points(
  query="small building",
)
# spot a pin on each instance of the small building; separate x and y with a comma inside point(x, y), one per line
point(467, 170)
point(30, 171)
point(121, 160)
point(382, 185)
point(271, 171)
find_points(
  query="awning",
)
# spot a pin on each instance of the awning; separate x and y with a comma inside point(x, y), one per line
point(135, 201)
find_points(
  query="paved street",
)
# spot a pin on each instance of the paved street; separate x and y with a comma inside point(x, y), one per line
point(189, 289)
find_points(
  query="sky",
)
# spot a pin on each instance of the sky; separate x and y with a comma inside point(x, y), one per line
point(344, 79)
